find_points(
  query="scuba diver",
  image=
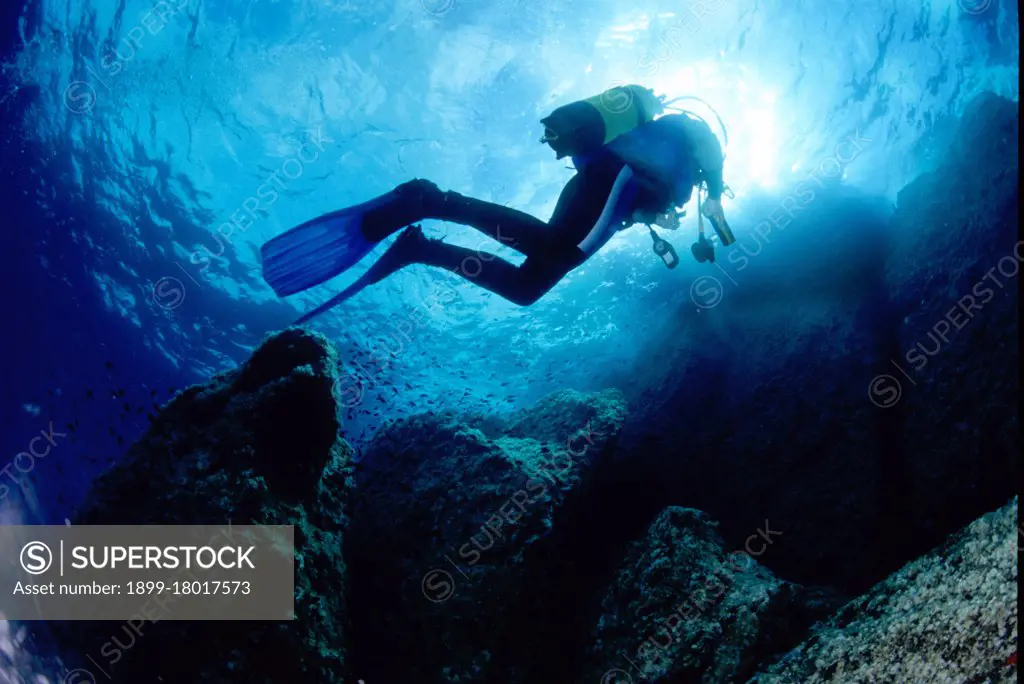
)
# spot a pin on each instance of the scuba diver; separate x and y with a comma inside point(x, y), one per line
point(632, 166)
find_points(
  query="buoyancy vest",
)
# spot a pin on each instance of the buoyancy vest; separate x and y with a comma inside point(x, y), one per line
point(658, 175)
point(659, 155)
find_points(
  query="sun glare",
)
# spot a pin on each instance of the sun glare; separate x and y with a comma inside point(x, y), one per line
point(748, 109)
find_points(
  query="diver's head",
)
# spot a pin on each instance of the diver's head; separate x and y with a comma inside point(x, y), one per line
point(561, 145)
point(573, 129)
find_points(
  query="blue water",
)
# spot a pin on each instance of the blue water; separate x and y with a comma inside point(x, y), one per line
point(147, 153)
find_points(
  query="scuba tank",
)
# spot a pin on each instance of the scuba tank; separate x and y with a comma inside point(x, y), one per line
point(585, 126)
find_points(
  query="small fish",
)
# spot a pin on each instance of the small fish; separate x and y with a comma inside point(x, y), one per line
point(88, 394)
point(109, 365)
point(127, 407)
point(120, 440)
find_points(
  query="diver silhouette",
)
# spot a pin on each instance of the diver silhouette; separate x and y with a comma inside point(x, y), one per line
point(632, 166)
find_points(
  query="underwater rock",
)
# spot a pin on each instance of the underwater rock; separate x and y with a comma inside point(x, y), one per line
point(786, 408)
point(950, 616)
point(682, 609)
point(256, 445)
point(953, 275)
point(764, 417)
point(457, 537)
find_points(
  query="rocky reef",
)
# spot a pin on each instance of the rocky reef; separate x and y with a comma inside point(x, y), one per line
point(950, 616)
point(483, 549)
point(460, 544)
point(953, 276)
point(256, 446)
point(707, 528)
point(866, 396)
point(683, 609)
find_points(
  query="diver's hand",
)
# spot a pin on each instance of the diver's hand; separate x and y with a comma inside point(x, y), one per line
point(713, 209)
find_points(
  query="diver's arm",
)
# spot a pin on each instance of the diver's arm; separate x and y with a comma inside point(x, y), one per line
point(707, 152)
point(713, 177)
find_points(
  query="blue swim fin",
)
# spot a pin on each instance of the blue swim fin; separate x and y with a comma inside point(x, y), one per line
point(346, 294)
point(399, 254)
point(318, 250)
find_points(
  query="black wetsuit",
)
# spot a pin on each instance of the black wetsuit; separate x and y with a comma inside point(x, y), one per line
point(677, 146)
point(551, 248)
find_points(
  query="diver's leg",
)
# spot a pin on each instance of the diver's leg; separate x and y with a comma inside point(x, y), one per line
point(410, 202)
point(419, 199)
point(579, 208)
point(523, 232)
point(521, 285)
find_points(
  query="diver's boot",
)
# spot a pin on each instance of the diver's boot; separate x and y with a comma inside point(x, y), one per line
point(406, 204)
point(404, 251)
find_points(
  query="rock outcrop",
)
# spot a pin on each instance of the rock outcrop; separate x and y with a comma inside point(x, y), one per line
point(459, 539)
point(951, 399)
point(682, 609)
point(788, 390)
point(510, 550)
point(950, 616)
point(259, 445)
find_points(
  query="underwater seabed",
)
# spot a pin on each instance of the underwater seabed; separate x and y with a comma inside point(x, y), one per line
point(829, 497)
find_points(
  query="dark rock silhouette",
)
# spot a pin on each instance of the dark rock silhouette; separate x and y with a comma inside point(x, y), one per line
point(258, 445)
point(683, 608)
point(808, 400)
point(953, 278)
point(541, 546)
point(457, 536)
point(950, 616)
